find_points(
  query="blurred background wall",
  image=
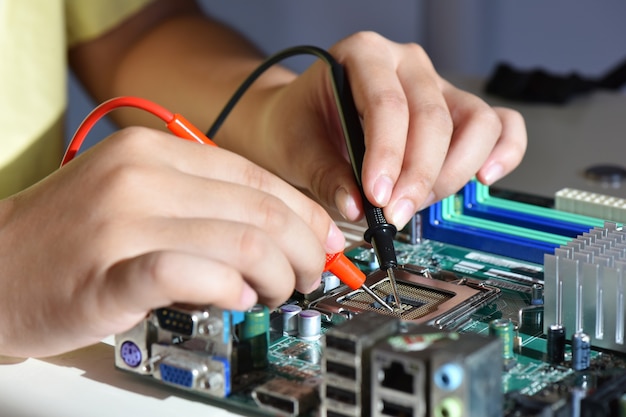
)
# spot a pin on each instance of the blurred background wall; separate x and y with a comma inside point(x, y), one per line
point(466, 37)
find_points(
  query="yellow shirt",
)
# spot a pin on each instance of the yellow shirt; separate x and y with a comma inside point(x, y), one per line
point(34, 37)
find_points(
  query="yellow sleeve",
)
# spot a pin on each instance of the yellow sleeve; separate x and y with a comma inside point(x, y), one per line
point(87, 19)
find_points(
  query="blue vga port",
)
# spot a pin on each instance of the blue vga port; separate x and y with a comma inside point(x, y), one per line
point(178, 376)
point(192, 370)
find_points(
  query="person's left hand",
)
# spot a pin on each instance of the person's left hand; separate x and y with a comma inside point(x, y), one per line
point(425, 138)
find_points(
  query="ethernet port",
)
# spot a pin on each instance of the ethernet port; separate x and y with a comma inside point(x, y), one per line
point(395, 377)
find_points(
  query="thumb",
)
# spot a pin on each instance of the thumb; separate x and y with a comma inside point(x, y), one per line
point(331, 181)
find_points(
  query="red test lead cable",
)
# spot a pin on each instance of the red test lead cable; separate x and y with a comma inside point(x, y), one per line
point(351, 275)
point(176, 123)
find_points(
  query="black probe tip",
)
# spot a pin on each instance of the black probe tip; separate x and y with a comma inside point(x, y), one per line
point(381, 236)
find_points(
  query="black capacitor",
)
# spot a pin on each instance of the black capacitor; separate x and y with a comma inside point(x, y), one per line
point(581, 351)
point(556, 344)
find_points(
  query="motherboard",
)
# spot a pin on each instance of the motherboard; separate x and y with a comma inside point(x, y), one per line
point(506, 309)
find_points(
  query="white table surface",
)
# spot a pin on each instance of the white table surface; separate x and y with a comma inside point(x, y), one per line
point(85, 383)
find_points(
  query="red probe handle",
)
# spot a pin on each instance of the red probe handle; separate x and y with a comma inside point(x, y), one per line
point(345, 270)
point(182, 128)
point(176, 123)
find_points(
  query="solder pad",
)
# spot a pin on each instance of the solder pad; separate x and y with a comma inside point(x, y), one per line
point(422, 299)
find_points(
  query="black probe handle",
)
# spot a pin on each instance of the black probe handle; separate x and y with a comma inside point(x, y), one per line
point(380, 233)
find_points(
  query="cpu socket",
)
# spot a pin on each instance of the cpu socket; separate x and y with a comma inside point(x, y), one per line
point(423, 299)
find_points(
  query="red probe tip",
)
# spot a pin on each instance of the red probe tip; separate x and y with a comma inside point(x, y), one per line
point(345, 270)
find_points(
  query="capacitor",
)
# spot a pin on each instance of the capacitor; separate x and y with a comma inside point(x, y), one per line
point(309, 324)
point(330, 281)
point(556, 344)
point(536, 294)
point(504, 330)
point(372, 261)
point(254, 336)
point(289, 314)
point(581, 351)
point(415, 229)
point(256, 322)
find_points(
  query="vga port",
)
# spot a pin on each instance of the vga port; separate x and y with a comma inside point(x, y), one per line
point(192, 370)
point(178, 376)
point(180, 320)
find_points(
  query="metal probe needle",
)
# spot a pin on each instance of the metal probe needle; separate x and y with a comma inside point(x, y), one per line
point(350, 275)
point(376, 297)
point(394, 285)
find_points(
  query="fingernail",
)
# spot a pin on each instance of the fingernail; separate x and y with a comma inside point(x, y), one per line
point(402, 212)
point(493, 173)
point(315, 285)
point(429, 200)
point(248, 296)
point(336, 241)
point(382, 190)
point(346, 204)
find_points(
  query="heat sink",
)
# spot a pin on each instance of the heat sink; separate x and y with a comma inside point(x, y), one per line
point(585, 284)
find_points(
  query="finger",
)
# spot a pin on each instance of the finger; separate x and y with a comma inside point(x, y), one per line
point(213, 163)
point(231, 227)
point(477, 128)
point(382, 105)
point(274, 197)
point(293, 233)
point(244, 253)
point(332, 181)
point(508, 151)
point(427, 140)
point(314, 151)
point(159, 279)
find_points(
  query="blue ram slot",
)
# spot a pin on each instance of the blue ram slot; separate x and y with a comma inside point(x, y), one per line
point(478, 203)
point(498, 245)
point(444, 230)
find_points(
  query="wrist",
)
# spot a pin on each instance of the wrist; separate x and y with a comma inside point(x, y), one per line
point(253, 127)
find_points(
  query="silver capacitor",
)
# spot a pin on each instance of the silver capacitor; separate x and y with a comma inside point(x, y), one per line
point(309, 325)
point(289, 314)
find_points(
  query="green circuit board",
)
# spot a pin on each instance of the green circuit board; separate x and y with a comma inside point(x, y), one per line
point(528, 380)
point(528, 375)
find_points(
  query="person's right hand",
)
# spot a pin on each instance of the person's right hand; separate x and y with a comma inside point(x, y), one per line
point(144, 220)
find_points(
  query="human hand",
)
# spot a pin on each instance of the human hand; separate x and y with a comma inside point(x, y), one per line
point(425, 138)
point(144, 220)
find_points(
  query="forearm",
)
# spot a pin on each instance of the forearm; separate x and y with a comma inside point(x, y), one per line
point(191, 64)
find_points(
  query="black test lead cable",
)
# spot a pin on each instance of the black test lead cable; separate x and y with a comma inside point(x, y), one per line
point(380, 233)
